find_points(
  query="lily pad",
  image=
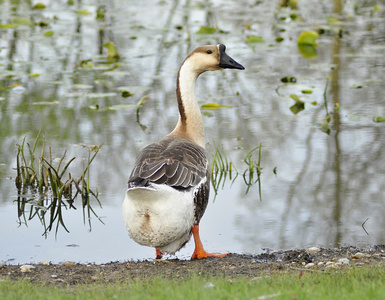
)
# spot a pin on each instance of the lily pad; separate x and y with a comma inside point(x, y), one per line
point(39, 5)
point(112, 52)
point(378, 119)
point(213, 106)
point(21, 21)
point(287, 79)
point(254, 39)
point(83, 12)
point(7, 26)
point(308, 51)
point(206, 30)
point(308, 37)
point(126, 94)
point(307, 92)
point(48, 33)
point(298, 106)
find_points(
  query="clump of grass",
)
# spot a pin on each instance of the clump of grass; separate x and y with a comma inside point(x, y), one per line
point(254, 167)
point(47, 189)
point(222, 167)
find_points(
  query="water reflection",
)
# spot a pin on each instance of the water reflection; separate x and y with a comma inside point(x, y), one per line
point(49, 210)
point(325, 186)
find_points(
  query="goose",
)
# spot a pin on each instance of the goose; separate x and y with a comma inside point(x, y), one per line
point(168, 189)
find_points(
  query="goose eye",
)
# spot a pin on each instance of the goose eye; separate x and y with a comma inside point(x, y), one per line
point(209, 51)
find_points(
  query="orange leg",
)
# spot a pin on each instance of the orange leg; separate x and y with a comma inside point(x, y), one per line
point(158, 254)
point(199, 252)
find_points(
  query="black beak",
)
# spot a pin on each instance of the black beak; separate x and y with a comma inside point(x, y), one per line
point(226, 62)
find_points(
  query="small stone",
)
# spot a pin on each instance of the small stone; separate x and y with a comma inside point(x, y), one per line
point(2, 265)
point(321, 263)
point(69, 264)
point(45, 263)
point(309, 265)
point(343, 261)
point(313, 250)
point(26, 268)
point(331, 265)
point(54, 276)
point(360, 255)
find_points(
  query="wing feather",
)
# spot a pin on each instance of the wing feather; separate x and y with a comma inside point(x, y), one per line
point(179, 163)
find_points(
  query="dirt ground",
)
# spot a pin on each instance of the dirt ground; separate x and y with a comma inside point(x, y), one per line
point(231, 266)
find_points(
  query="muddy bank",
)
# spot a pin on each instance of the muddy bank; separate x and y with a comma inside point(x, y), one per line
point(233, 265)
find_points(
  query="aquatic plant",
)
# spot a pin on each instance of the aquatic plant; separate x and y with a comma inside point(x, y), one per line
point(324, 123)
point(222, 167)
point(44, 188)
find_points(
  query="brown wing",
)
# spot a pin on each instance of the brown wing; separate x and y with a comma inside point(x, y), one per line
point(176, 162)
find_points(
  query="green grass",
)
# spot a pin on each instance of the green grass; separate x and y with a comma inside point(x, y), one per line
point(350, 283)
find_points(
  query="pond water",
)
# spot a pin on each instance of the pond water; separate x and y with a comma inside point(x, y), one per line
point(322, 183)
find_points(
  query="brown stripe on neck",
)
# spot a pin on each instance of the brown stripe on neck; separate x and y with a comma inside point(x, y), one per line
point(182, 112)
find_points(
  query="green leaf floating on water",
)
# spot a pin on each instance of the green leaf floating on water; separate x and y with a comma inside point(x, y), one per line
point(307, 92)
point(308, 37)
point(83, 12)
point(39, 5)
point(112, 53)
point(206, 30)
point(254, 39)
point(7, 26)
point(298, 106)
point(34, 74)
point(21, 21)
point(378, 119)
point(48, 33)
point(213, 106)
point(126, 94)
point(306, 44)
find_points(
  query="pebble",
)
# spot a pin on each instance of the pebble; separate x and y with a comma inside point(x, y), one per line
point(26, 268)
point(2, 265)
point(313, 250)
point(359, 255)
point(321, 263)
point(53, 276)
point(310, 265)
point(45, 263)
point(343, 261)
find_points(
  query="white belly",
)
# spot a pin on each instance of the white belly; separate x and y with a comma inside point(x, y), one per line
point(159, 216)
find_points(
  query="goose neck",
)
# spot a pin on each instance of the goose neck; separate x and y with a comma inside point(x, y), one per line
point(190, 123)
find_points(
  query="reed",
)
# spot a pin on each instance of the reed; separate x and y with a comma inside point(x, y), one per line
point(47, 189)
point(222, 169)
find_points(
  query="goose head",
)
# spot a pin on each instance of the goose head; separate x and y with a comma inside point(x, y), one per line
point(211, 58)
